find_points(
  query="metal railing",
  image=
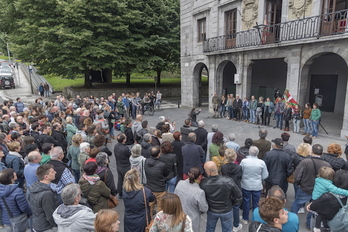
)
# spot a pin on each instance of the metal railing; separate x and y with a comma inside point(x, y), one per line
point(312, 27)
point(36, 79)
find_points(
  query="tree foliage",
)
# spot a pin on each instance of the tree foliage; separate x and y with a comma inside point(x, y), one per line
point(70, 37)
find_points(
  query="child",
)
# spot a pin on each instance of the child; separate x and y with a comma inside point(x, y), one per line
point(323, 184)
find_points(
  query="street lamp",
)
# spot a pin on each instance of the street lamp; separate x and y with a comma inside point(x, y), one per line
point(30, 68)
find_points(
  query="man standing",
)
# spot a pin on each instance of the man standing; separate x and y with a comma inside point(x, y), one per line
point(47, 89)
point(253, 106)
point(19, 105)
point(201, 134)
point(215, 102)
point(64, 176)
point(59, 136)
point(287, 147)
point(44, 137)
point(278, 113)
point(221, 193)
point(305, 175)
point(192, 155)
point(231, 143)
point(156, 175)
point(185, 130)
point(34, 159)
point(122, 155)
point(237, 106)
point(262, 144)
point(42, 200)
point(214, 129)
point(279, 165)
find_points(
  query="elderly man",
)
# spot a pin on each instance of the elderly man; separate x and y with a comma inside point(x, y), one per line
point(34, 159)
point(146, 145)
point(42, 200)
point(254, 171)
point(64, 176)
point(262, 144)
point(237, 106)
point(231, 143)
point(71, 216)
point(221, 193)
point(192, 154)
point(201, 134)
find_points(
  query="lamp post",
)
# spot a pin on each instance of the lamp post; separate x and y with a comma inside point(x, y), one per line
point(30, 79)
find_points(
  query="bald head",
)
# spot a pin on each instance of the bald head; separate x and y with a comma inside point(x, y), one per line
point(211, 168)
point(34, 157)
point(139, 118)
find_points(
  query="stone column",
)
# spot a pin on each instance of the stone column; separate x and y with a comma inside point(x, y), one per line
point(293, 74)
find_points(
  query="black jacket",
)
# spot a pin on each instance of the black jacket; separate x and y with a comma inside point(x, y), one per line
point(260, 227)
point(128, 132)
point(45, 138)
point(177, 145)
point(327, 205)
point(221, 193)
point(201, 135)
point(59, 136)
point(185, 130)
point(156, 174)
point(42, 201)
point(122, 155)
point(107, 177)
point(296, 160)
point(170, 160)
point(279, 166)
point(233, 171)
point(333, 159)
point(146, 149)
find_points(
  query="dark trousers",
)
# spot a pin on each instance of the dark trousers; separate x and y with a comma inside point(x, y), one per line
point(267, 118)
point(121, 171)
point(238, 114)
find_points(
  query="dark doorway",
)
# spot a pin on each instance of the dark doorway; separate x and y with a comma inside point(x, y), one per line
point(203, 86)
point(324, 87)
point(272, 18)
point(228, 84)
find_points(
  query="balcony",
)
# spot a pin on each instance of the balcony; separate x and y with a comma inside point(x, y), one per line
point(312, 27)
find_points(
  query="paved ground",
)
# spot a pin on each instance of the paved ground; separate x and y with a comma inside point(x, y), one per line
point(241, 129)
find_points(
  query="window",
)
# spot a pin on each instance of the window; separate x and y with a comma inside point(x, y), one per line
point(231, 23)
point(202, 30)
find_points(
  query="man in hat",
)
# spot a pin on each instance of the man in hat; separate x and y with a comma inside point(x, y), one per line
point(279, 165)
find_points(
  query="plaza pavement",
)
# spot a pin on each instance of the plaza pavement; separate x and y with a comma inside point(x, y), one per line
point(242, 131)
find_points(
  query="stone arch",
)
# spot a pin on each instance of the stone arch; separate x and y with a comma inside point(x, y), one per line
point(225, 77)
point(199, 90)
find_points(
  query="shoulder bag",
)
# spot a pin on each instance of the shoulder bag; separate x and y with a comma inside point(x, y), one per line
point(340, 221)
point(148, 223)
point(19, 223)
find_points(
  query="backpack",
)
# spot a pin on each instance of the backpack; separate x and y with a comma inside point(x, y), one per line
point(340, 222)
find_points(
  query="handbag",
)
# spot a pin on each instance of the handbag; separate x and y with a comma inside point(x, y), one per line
point(148, 224)
point(19, 223)
point(340, 222)
point(112, 202)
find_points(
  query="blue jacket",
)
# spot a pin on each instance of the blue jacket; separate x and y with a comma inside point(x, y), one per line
point(16, 163)
point(291, 226)
point(324, 186)
point(19, 106)
point(15, 199)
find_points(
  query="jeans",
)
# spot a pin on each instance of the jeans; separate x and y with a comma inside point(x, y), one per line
point(307, 126)
point(296, 125)
point(315, 125)
point(253, 116)
point(170, 185)
point(300, 200)
point(236, 215)
point(267, 118)
point(222, 111)
point(134, 111)
point(76, 174)
point(255, 195)
point(279, 120)
point(230, 112)
point(225, 218)
point(245, 113)
point(47, 93)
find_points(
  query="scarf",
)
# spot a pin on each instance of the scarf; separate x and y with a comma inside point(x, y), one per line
point(92, 179)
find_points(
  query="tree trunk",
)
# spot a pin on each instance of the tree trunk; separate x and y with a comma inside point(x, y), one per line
point(88, 83)
point(107, 74)
point(158, 77)
point(128, 75)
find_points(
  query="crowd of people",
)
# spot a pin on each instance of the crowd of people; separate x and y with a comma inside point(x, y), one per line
point(260, 111)
point(55, 171)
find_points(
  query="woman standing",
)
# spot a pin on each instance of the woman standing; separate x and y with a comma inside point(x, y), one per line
point(306, 115)
point(106, 221)
point(287, 116)
point(73, 155)
point(333, 156)
point(268, 109)
point(296, 115)
point(217, 142)
point(136, 209)
point(70, 129)
point(222, 106)
point(192, 198)
point(193, 116)
point(172, 217)
point(105, 173)
point(137, 162)
point(169, 159)
point(120, 106)
point(315, 117)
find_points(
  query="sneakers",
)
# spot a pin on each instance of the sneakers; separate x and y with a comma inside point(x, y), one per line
point(239, 228)
point(301, 210)
point(316, 229)
point(243, 221)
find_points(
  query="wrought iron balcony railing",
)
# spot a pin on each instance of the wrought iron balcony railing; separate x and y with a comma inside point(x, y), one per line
point(312, 27)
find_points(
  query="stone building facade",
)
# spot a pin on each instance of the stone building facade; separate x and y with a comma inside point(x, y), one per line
point(252, 47)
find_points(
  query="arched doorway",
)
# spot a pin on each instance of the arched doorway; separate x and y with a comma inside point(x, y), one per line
point(324, 81)
point(201, 85)
point(225, 78)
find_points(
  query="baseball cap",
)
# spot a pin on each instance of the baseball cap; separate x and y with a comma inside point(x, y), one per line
point(278, 141)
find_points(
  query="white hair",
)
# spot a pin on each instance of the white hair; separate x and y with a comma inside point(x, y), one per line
point(162, 119)
point(84, 146)
point(201, 123)
point(253, 151)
